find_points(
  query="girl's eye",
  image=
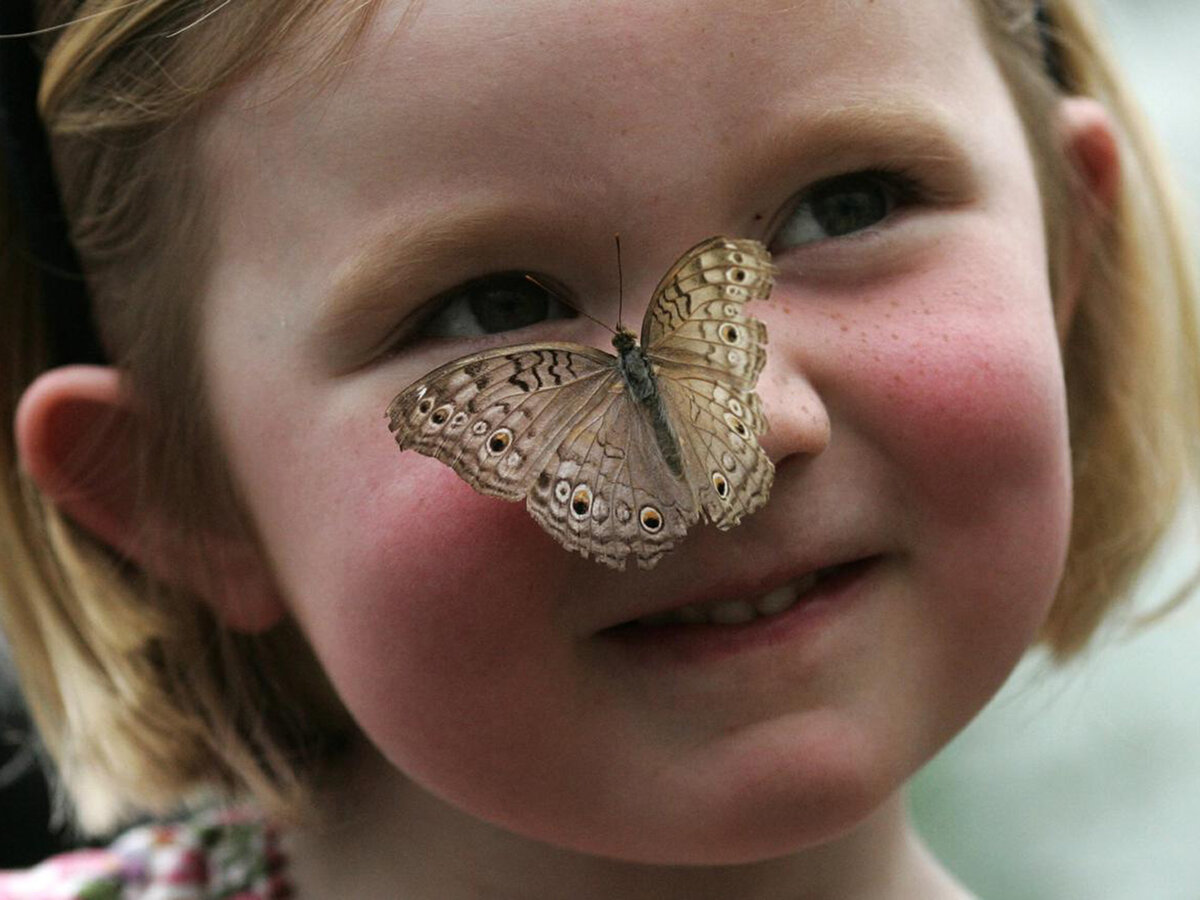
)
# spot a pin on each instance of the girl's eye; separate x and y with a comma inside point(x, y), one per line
point(494, 303)
point(843, 205)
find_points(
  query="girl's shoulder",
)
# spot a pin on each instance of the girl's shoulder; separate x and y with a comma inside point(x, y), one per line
point(227, 855)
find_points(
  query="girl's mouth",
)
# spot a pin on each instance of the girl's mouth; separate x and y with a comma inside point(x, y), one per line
point(738, 612)
point(720, 627)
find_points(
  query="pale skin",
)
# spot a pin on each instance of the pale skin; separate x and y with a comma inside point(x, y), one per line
point(515, 746)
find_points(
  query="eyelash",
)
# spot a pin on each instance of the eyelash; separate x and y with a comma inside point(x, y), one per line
point(512, 293)
point(902, 189)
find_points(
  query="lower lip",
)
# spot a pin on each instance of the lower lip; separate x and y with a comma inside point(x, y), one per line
point(707, 643)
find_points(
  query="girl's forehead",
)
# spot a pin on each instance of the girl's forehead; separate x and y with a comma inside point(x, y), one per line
point(479, 123)
point(444, 65)
point(531, 92)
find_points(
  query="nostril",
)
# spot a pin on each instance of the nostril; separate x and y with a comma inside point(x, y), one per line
point(797, 420)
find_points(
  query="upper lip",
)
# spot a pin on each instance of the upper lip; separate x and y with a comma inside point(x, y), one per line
point(726, 588)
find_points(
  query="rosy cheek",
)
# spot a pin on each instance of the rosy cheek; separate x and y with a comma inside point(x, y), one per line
point(444, 599)
point(985, 406)
point(429, 541)
point(968, 406)
point(433, 527)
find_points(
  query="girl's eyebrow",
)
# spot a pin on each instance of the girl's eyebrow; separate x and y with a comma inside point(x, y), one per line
point(889, 128)
point(408, 257)
point(401, 258)
point(399, 247)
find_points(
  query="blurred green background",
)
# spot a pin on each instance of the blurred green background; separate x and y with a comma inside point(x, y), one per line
point(1083, 782)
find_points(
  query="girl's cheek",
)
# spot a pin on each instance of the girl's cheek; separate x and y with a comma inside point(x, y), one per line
point(392, 553)
point(439, 593)
point(950, 388)
point(987, 405)
point(969, 408)
point(429, 519)
point(958, 374)
point(432, 540)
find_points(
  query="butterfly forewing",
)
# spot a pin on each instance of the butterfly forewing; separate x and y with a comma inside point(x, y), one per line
point(697, 318)
point(495, 416)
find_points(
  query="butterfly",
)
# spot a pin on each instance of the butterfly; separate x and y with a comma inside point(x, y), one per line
point(617, 455)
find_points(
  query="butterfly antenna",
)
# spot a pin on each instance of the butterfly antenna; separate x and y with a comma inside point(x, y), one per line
point(620, 283)
point(559, 296)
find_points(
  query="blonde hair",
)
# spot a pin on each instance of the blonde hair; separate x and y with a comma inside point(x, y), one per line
point(141, 698)
point(1132, 352)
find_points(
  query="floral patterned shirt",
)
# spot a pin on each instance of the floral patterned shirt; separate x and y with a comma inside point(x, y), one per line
point(214, 856)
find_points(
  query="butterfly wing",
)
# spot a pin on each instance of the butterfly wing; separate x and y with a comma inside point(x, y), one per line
point(605, 490)
point(718, 435)
point(552, 424)
point(495, 416)
point(708, 354)
point(555, 423)
point(697, 317)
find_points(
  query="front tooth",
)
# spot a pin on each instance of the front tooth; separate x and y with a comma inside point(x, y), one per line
point(732, 612)
point(778, 600)
point(691, 615)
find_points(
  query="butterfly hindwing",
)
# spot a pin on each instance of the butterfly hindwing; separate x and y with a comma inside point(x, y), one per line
point(718, 427)
point(605, 492)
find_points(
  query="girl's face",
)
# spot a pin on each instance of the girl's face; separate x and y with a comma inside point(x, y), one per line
point(913, 388)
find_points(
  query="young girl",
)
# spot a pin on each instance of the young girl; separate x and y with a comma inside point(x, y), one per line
point(230, 593)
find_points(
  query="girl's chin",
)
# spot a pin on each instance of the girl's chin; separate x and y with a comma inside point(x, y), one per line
point(770, 835)
point(688, 822)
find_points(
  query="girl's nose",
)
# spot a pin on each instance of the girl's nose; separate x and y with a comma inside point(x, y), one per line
point(797, 418)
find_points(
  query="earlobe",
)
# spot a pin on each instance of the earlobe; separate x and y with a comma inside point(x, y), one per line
point(1090, 143)
point(75, 428)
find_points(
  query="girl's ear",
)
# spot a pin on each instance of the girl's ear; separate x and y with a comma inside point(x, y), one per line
point(1090, 143)
point(75, 432)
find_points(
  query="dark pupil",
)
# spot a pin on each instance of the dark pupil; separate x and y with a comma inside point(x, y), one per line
point(508, 302)
point(845, 207)
point(580, 505)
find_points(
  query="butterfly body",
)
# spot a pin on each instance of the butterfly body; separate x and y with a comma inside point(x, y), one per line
point(617, 456)
point(643, 389)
